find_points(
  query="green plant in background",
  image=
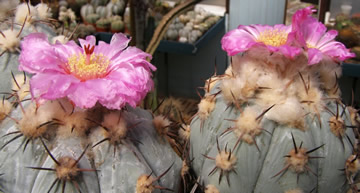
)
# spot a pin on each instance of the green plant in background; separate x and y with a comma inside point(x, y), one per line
point(116, 7)
point(274, 122)
point(92, 18)
point(86, 10)
point(103, 24)
point(117, 26)
point(102, 12)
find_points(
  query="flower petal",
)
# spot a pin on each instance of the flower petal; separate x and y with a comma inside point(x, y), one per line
point(133, 55)
point(236, 41)
point(51, 86)
point(89, 40)
point(87, 93)
point(36, 54)
point(126, 80)
point(117, 44)
point(314, 56)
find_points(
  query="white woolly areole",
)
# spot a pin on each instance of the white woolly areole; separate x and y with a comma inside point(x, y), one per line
point(294, 191)
point(211, 82)
point(43, 11)
point(297, 161)
point(30, 123)
point(144, 184)
point(354, 116)
point(5, 109)
point(337, 126)
point(184, 169)
point(22, 82)
point(184, 132)
point(223, 161)
point(22, 11)
point(206, 106)
point(312, 100)
point(289, 112)
point(238, 89)
point(231, 90)
point(6, 6)
point(161, 124)
point(247, 126)
point(352, 164)
point(211, 189)
point(10, 42)
point(116, 125)
point(328, 72)
point(74, 124)
point(283, 66)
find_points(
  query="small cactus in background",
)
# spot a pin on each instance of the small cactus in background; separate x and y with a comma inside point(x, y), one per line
point(103, 24)
point(79, 130)
point(86, 10)
point(92, 18)
point(117, 26)
point(274, 122)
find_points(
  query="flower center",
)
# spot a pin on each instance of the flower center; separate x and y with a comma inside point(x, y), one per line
point(310, 46)
point(88, 65)
point(273, 37)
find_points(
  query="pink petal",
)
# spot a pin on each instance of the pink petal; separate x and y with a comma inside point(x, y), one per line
point(87, 93)
point(36, 54)
point(337, 50)
point(289, 51)
point(51, 86)
point(117, 44)
point(89, 40)
point(314, 56)
point(133, 55)
point(328, 37)
point(127, 81)
point(313, 31)
point(236, 41)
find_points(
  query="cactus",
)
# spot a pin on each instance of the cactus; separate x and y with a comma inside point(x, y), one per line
point(123, 148)
point(65, 144)
point(103, 24)
point(86, 10)
point(274, 121)
point(116, 7)
point(117, 26)
point(92, 18)
point(102, 12)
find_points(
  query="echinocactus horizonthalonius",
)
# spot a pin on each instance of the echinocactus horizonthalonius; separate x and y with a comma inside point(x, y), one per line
point(274, 122)
point(80, 131)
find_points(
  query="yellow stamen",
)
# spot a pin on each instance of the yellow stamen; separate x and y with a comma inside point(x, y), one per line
point(310, 46)
point(88, 66)
point(273, 37)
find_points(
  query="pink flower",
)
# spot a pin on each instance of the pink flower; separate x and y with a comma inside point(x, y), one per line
point(318, 43)
point(274, 38)
point(112, 74)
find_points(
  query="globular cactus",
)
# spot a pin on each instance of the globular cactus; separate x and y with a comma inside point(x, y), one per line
point(274, 122)
point(79, 131)
point(117, 26)
point(27, 19)
point(103, 24)
point(86, 10)
point(92, 18)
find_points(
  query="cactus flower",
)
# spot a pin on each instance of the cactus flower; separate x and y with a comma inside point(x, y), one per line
point(112, 74)
point(319, 43)
point(274, 38)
